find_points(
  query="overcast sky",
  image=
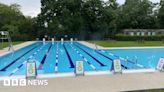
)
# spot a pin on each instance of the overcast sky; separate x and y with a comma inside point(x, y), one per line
point(32, 7)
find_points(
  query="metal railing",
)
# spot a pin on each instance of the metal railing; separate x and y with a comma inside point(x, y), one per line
point(6, 36)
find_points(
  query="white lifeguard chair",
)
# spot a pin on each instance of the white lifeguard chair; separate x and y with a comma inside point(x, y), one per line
point(4, 35)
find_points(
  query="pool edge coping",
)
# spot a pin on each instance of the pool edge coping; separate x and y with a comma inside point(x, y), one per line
point(89, 73)
point(16, 47)
point(91, 45)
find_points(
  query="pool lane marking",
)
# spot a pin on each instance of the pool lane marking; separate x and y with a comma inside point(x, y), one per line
point(104, 56)
point(91, 56)
point(111, 59)
point(70, 60)
point(30, 57)
point(121, 58)
point(44, 58)
point(57, 58)
point(91, 65)
point(4, 69)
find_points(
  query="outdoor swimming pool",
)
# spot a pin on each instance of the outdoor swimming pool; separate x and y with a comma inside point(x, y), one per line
point(61, 58)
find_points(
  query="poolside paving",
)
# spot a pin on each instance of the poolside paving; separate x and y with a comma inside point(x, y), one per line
point(91, 45)
point(98, 83)
point(16, 47)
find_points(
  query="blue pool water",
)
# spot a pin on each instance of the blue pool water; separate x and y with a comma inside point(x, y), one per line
point(59, 58)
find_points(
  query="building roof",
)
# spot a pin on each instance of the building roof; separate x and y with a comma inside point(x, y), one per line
point(143, 30)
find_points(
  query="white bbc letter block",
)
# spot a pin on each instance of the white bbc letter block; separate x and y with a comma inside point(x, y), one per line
point(6, 82)
point(15, 82)
point(22, 82)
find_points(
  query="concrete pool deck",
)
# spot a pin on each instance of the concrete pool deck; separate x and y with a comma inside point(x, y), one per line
point(98, 83)
point(16, 47)
point(93, 46)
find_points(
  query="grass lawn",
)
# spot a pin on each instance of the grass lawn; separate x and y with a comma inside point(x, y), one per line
point(127, 43)
point(153, 90)
point(6, 44)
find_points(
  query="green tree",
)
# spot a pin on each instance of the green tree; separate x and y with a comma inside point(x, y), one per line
point(161, 14)
point(78, 18)
point(111, 16)
point(138, 14)
point(94, 19)
point(60, 17)
point(12, 20)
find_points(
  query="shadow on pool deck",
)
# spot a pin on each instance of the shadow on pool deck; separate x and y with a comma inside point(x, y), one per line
point(99, 83)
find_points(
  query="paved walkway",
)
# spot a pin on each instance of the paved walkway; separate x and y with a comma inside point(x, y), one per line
point(16, 47)
point(99, 83)
point(91, 45)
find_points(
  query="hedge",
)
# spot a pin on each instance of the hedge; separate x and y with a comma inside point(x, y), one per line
point(135, 38)
point(21, 37)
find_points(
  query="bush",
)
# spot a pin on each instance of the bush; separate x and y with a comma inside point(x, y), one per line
point(21, 37)
point(121, 37)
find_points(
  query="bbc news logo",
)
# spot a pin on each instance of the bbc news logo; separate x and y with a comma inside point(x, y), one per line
point(24, 82)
